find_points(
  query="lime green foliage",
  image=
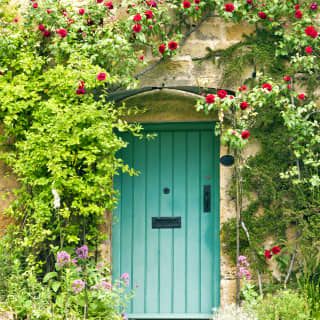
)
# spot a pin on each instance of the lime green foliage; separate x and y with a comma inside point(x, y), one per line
point(285, 304)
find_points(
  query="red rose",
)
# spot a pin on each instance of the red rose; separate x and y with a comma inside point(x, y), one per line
point(62, 33)
point(310, 31)
point(172, 45)
point(152, 4)
point(222, 94)
point(81, 11)
point(298, 14)
point(287, 79)
point(150, 27)
point(48, 11)
point(149, 14)
point(297, 7)
point(267, 86)
point(136, 27)
point(41, 27)
point(275, 250)
point(243, 105)
point(186, 4)
point(99, 1)
point(249, 1)
point(240, 89)
point(301, 96)
point(245, 134)
point(15, 20)
point(109, 5)
point(308, 50)
point(244, 88)
point(137, 17)
point(35, 5)
point(196, 1)
point(229, 7)
point(80, 91)
point(162, 48)
point(210, 98)
point(46, 33)
point(313, 6)
point(141, 57)
point(262, 15)
point(267, 254)
point(101, 76)
point(288, 86)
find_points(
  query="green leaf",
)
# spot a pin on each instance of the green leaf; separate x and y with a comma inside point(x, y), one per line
point(49, 276)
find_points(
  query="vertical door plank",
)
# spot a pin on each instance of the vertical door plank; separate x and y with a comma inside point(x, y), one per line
point(138, 226)
point(193, 225)
point(179, 210)
point(152, 288)
point(207, 221)
point(166, 248)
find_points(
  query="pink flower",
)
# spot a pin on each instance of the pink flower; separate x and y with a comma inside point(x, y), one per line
point(48, 11)
point(101, 76)
point(81, 11)
point(35, 5)
point(125, 276)
point(78, 285)
point(313, 6)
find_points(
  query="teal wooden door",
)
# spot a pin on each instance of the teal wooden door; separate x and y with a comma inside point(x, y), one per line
point(177, 269)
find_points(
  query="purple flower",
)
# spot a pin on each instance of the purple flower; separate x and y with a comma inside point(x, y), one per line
point(79, 269)
point(125, 276)
point(106, 285)
point(82, 252)
point(78, 285)
point(313, 6)
point(63, 258)
point(74, 261)
point(124, 316)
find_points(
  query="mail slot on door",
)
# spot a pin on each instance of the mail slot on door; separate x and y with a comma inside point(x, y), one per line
point(166, 222)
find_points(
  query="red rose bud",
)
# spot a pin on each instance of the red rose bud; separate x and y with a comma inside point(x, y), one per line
point(229, 7)
point(101, 76)
point(141, 57)
point(99, 1)
point(275, 250)
point(245, 134)
point(197, 8)
point(267, 86)
point(35, 5)
point(301, 96)
point(210, 98)
point(249, 1)
point(137, 17)
point(308, 50)
point(298, 14)
point(48, 11)
point(267, 254)
point(240, 89)
point(287, 79)
point(62, 33)
point(41, 27)
point(288, 86)
point(172, 45)
point(186, 4)
point(222, 94)
point(150, 27)
point(81, 11)
point(244, 88)
point(149, 14)
point(136, 27)
point(262, 15)
point(15, 20)
point(243, 105)
point(162, 48)
point(297, 7)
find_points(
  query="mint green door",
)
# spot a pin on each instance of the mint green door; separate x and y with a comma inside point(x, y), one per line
point(174, 261)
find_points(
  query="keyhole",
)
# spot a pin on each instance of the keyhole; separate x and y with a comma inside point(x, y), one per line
point(166, 190)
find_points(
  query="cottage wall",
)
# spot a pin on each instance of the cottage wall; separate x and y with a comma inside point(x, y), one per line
point(182, 70)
